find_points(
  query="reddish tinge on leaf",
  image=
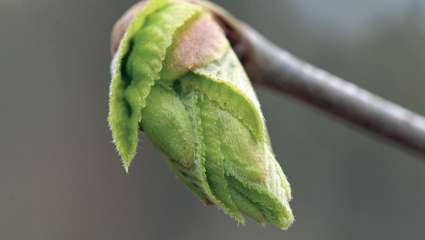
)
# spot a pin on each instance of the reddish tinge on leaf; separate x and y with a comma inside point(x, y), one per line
point(201, 42)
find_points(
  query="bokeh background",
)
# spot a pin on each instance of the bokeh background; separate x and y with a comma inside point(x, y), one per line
point(60, 177)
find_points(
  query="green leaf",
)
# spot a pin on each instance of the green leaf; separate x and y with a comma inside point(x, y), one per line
point(137, 66)
point(177, 78)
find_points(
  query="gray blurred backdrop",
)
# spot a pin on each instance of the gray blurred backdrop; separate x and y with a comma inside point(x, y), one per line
point(60, 177)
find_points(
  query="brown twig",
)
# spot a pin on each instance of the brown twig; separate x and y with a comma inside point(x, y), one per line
point(274, 67)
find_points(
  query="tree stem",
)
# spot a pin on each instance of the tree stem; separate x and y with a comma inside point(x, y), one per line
point(275, 68)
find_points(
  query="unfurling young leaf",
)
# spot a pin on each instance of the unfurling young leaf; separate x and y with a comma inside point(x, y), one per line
point(175, 76)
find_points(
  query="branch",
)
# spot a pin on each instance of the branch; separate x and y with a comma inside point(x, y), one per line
point(275, 68)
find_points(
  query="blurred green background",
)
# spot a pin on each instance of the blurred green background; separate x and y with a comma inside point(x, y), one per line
point(60, 177)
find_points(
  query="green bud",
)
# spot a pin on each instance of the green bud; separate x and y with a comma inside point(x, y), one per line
point(175, 76)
